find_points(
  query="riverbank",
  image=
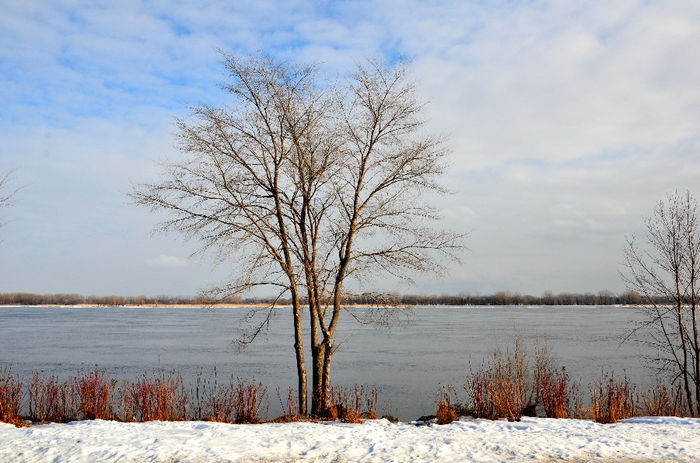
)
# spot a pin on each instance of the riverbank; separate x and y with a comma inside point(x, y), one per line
point(647, 439)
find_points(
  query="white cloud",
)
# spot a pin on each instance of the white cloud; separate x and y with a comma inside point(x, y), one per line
point(167, 261)
point(561, 82)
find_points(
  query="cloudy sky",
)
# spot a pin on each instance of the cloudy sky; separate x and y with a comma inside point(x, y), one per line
point(566, 122)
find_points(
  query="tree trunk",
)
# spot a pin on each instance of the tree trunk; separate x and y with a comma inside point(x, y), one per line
point(299, 351)
point(319, 397)
point(326, 373)
point(696, 353)
point(684, 368)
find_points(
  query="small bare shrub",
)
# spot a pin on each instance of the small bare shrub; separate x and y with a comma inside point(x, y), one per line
point(663, 400)
point(611, 400)
point(220, 405)
point(553, 392)
point(499, 389)
point(10, 397)
point(371, 403)
point(209, 401)
point(247, 399)
point(92, 393)
point(478, 389)
point(155, 397)
point(290, 407)
point(347, 403)
point(50, 400)
point(445, 412)
point(578, 410)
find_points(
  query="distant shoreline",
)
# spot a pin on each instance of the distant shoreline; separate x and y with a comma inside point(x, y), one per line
point(281, 306)
point(502, 298)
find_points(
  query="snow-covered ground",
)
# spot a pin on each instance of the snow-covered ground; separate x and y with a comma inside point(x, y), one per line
point(532, 439)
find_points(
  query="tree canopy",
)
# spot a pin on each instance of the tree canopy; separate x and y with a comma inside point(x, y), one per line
point(307, 184)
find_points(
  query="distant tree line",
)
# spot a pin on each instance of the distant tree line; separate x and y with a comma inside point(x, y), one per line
point(77, 299)
point(499, 298)
point(512, 298)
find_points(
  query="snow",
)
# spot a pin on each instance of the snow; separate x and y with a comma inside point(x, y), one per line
point(658, 439)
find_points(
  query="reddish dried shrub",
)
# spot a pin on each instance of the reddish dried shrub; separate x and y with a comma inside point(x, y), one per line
point(290, 408)
point(663, 400)
point(50, 400)
point(499, 389)
point(247, 399)
point(553, 393)
point(10, 397)
point(92, 395)
point(220, 405)
point(371, 403)
point(612, 400)
point(445, 411)
point(155, 397)
point(347, 403)
point(478, 389)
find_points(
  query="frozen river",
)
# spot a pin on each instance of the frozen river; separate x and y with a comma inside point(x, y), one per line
point(406, 364)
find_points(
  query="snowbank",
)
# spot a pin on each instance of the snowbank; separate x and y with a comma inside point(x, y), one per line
point(533, 439)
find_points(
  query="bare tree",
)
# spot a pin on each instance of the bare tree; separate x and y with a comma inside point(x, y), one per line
point(308, 184)
point(665, 274)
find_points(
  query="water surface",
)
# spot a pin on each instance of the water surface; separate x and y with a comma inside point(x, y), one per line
point(407, 363)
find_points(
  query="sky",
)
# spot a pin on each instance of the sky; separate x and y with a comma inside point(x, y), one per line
point(566, 121)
